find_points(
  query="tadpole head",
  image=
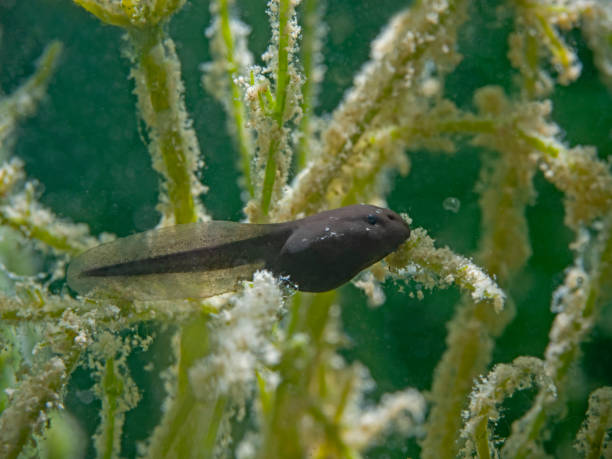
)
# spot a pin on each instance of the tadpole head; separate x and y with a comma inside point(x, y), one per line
point(327, 249)
point(385, 226)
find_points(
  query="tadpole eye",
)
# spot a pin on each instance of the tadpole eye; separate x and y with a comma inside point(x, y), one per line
point(372, 219)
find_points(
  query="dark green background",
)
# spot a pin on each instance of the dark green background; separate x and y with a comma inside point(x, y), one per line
point(84, 148)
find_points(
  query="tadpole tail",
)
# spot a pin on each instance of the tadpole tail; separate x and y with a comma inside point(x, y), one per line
point(196, 260)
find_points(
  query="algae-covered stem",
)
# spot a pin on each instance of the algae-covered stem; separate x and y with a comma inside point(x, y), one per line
point(112, 389)
point(23, 213)
point(157, 74)
point(593, 439)
point(310, 57)
point(236, 104)
point(286, 10)
point(172, 143)
point(36, 394)
point(174, 146)
point(175, 154)
point(409, 42)
point(283, 61)
point(568, 331)
point(23, 101)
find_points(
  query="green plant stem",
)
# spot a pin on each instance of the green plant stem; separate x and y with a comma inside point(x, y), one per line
point(482, 440)
point(308, 51)
point(189, 426)
point(556, 47)
point(282, 76)
point(323, 176)
point(528, 430)
point(111, 16)
point(132, 13)
point(269, 177)
point(37, 394)
point(30, 230)
point(309, 316)
point(58, 241)
point(112, 388)
point(280, 98)
point(159, 92)
point(18, 105)
point(236, 104)
point(173, 144)
point(22, 102)
point(465, 125)
point(595, 431)
point(213, 426)
point(376, 164)
point(531, 57)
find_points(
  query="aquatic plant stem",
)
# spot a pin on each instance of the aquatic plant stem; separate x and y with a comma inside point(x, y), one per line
point(569, 330)
point(487, 397)
point(530, 79)
point(214, 425)
point(131, 13)
point(317, 389)
point(585, 179)
point(157, 73)
point(593, 440)
point(280, 98)
point(109, 16)
point(359, 112)
point(473, 329)
point(236, 104)
point(190, 426)
point(173, 143)
point(269, 178)
point(117, 392)
point(22, 102)
point(309, 53)
point(310, 314)
point(36, 394)
point(62, 243)
point(112, 388)
point(282, 76)
point(22, 212)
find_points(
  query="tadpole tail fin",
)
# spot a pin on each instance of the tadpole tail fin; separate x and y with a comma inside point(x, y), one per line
point(195, 260)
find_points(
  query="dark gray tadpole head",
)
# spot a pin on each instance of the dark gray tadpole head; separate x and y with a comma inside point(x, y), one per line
point(198, 260)
point(327, 249)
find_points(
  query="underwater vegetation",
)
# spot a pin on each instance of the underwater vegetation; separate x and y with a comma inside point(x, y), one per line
point(486, 125)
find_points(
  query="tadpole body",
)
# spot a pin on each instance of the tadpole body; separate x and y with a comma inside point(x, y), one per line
point(198, 260)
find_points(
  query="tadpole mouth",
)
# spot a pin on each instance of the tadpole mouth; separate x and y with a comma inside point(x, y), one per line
point(407, 226)
point(405, 234)
point(400, 229)
point(400, 221)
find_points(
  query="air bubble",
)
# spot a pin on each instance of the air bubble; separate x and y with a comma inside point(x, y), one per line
point(451, 204)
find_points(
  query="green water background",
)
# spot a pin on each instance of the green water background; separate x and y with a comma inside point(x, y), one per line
point(84, 148)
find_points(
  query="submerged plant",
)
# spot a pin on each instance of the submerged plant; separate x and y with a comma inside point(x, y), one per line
point(267, 372)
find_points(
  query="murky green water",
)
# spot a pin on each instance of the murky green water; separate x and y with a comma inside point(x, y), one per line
point(85, 147)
